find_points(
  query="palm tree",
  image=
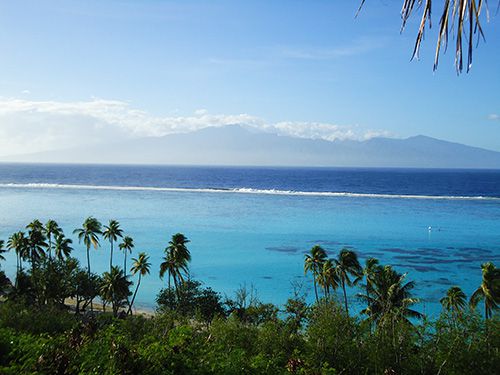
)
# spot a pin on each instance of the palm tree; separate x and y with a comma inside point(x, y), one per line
point(62, 247)
point(176, 260)
point(126, 245)
point(489, 290)
point(313, 263)
point(347, 264)
point(460, 17)
point(170, 267)
point(89, 234)
point(141, 266)
point(19, 243)
point(35, 225)
point(115, 288)
point(51, 229)
point(390, 297)
point(328, 277)
point(371, 267)
point(36, 242)
point(111, 232)
point(454, 301)
point(177, 247)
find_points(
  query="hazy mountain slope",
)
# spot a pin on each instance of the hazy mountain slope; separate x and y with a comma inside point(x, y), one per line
point(236, 145)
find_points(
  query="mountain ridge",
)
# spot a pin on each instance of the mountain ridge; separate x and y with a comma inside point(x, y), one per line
point(242, 146)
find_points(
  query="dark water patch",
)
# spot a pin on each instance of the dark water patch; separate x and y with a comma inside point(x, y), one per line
point(442, 281)
point(267, 277)
point(427, 251)
point(470, 266)
point(212, 278)
point(283, 249)
point(437, 261)
point(474, 252)
point(407, 257)
point(418, 268)
point(424, 268)
point(479, 257)
point(396, 250)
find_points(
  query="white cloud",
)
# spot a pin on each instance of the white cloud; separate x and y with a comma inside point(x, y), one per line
point(494, 117)
point(32, 126)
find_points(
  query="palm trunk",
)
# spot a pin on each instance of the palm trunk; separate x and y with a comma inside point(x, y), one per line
point(125, 263)
point(133, 297)
point(315, 288)
point(345, 297)
point(111, 257)
point(369, 305)
point(32, 263)
point(18, 270)
point(88, 272)
point(50, 248)
point(176, 285)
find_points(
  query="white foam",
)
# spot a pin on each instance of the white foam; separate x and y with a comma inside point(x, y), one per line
point(245, 191)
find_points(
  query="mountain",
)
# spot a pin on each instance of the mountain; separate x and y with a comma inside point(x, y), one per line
point(238, 145)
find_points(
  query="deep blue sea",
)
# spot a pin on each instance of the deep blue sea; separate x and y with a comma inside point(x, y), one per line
point(252, 226)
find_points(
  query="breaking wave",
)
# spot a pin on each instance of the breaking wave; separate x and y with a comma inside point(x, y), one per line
point(245, 191)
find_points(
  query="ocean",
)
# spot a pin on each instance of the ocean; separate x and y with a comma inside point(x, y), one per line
point(251, 226)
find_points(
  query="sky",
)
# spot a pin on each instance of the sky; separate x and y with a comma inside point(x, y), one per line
point(76, 72)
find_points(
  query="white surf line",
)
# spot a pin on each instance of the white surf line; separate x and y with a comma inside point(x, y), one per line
point(245, 191)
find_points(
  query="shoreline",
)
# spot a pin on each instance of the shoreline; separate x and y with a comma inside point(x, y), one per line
point(99, 307)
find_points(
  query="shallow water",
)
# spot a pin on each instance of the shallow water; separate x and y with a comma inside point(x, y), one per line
point(259, 238)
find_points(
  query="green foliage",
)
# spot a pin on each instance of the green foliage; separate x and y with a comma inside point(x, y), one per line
point(191, 300)
point(334, 339)
point(35, 320)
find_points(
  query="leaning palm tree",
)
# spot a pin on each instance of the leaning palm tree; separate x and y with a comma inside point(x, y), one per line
point(390, 297)
point(51, 229)
point(89, 234)
point(489, 290)
point(126, 246)
point(313, 262)
point(141, 266)
point(62, 247)
point(112, 232)
point(347, 264)
point(115, 288)
point(454, 301)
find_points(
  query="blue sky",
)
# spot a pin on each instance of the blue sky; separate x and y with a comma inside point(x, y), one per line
point(289, 62)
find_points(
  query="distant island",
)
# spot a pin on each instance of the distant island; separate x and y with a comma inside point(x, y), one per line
point(241, 145)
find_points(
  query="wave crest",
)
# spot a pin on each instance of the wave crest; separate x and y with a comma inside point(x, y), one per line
point(245, 191)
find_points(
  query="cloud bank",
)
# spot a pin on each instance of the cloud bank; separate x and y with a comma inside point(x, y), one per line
point(32, 126)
